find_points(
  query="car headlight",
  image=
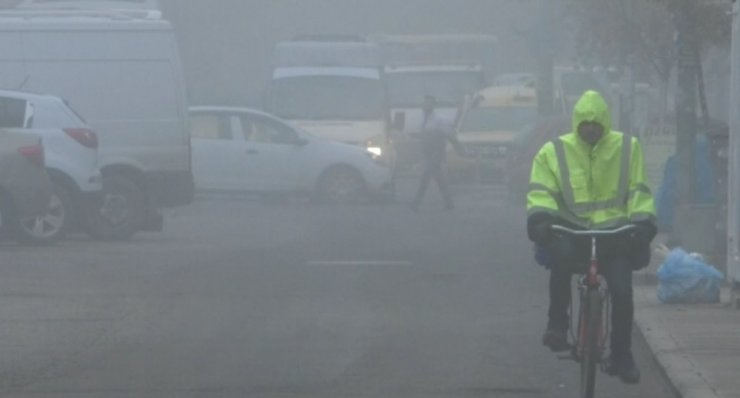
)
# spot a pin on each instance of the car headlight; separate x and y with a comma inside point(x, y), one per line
point(375, 151)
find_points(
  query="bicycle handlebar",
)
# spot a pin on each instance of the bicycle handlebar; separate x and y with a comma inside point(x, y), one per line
point(594, 232)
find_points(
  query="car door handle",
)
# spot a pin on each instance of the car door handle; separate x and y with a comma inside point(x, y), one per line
point(252, 152)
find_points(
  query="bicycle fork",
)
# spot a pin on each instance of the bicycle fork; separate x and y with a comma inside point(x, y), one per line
point(588, 283)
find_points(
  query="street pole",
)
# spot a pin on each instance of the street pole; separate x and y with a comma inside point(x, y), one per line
point(627, 91)
point(694, 224)
point(685, 106)
point(733, 203)
point(545, 59)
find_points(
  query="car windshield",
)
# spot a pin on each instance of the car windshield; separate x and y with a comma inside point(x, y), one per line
point(509, 118)
point(449, 88)
point(329, 98)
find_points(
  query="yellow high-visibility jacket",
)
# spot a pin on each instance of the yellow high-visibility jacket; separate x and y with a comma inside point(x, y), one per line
point(593, 187)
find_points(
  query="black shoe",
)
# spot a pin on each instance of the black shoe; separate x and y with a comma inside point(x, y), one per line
point(624, 368)
point(629, 374)
point(611, 366)
point(556, 340)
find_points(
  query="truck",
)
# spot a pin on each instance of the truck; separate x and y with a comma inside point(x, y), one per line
point(493, 125)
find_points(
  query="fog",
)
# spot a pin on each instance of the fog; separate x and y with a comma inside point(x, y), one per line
point(340, 198)
point(227, 45)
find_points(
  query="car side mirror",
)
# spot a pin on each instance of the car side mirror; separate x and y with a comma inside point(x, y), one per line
point(399, 121)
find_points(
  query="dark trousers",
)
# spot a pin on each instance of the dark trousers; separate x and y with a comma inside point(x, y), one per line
point(617, 271)
point(435, 171)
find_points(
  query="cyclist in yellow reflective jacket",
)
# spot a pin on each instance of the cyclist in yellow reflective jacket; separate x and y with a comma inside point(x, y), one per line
point(592, 178)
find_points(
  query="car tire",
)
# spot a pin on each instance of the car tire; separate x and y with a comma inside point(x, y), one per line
point(51, 227)
point(7, 217)
point(121, 212)
point(341, 185)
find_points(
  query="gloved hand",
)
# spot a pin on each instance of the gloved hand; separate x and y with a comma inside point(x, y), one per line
point(643, 234)
point(541, 232)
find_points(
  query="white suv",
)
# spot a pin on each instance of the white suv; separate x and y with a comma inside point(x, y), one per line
point(71, 161)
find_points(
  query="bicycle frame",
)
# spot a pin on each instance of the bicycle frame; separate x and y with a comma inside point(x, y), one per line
point(589, 282)
point(594, 312)
point(592, 277)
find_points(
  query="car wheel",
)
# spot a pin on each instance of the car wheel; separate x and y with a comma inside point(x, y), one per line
point(341, 185)
point(7, 216)
point(121, 212)
point(49, 228)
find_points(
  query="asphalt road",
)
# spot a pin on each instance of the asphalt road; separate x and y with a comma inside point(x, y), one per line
point(242, 299)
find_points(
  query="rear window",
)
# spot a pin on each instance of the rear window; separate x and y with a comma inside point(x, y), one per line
point(12, 112)
point(54, 114)
point(71, 108)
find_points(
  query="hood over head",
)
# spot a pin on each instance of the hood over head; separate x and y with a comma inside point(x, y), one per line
point(592, 107)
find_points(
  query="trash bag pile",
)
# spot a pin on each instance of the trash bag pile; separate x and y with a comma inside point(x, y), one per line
point(687, 279)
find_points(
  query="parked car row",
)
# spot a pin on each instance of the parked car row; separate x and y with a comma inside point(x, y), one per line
point(93, 100)
point(115, 169)
point(128, 146)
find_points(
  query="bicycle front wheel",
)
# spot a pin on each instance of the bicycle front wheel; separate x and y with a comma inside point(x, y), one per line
point(591, 312)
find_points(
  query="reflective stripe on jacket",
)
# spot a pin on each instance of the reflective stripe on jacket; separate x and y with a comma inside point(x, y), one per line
point(601, 186)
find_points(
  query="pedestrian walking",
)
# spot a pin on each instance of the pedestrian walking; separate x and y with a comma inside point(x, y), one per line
point(435, 133)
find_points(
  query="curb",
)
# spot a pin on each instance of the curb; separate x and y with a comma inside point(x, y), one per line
point(682, 372)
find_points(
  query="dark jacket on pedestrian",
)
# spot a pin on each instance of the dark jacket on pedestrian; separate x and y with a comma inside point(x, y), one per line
point(435, 133)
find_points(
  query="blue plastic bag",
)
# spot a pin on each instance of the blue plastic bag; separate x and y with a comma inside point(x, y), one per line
point(687, 279)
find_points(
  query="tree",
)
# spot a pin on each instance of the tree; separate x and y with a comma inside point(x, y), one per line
point(607, 34)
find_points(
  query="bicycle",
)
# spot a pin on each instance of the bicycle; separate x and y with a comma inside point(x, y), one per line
point(593, 316)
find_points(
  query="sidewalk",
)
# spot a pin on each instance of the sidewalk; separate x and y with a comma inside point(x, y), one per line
point(698, 346)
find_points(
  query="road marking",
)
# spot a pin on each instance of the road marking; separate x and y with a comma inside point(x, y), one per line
point(361, 263)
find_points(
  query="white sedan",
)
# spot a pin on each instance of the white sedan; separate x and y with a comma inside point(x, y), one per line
point(240, 149)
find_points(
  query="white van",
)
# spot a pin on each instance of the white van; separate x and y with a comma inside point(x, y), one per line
point(122, 71)
point(333, 89)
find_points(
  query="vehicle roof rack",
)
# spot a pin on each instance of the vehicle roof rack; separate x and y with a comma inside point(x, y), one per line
point(454, 63)
point(88, 4)
point(329, 38)
point(117, 14)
